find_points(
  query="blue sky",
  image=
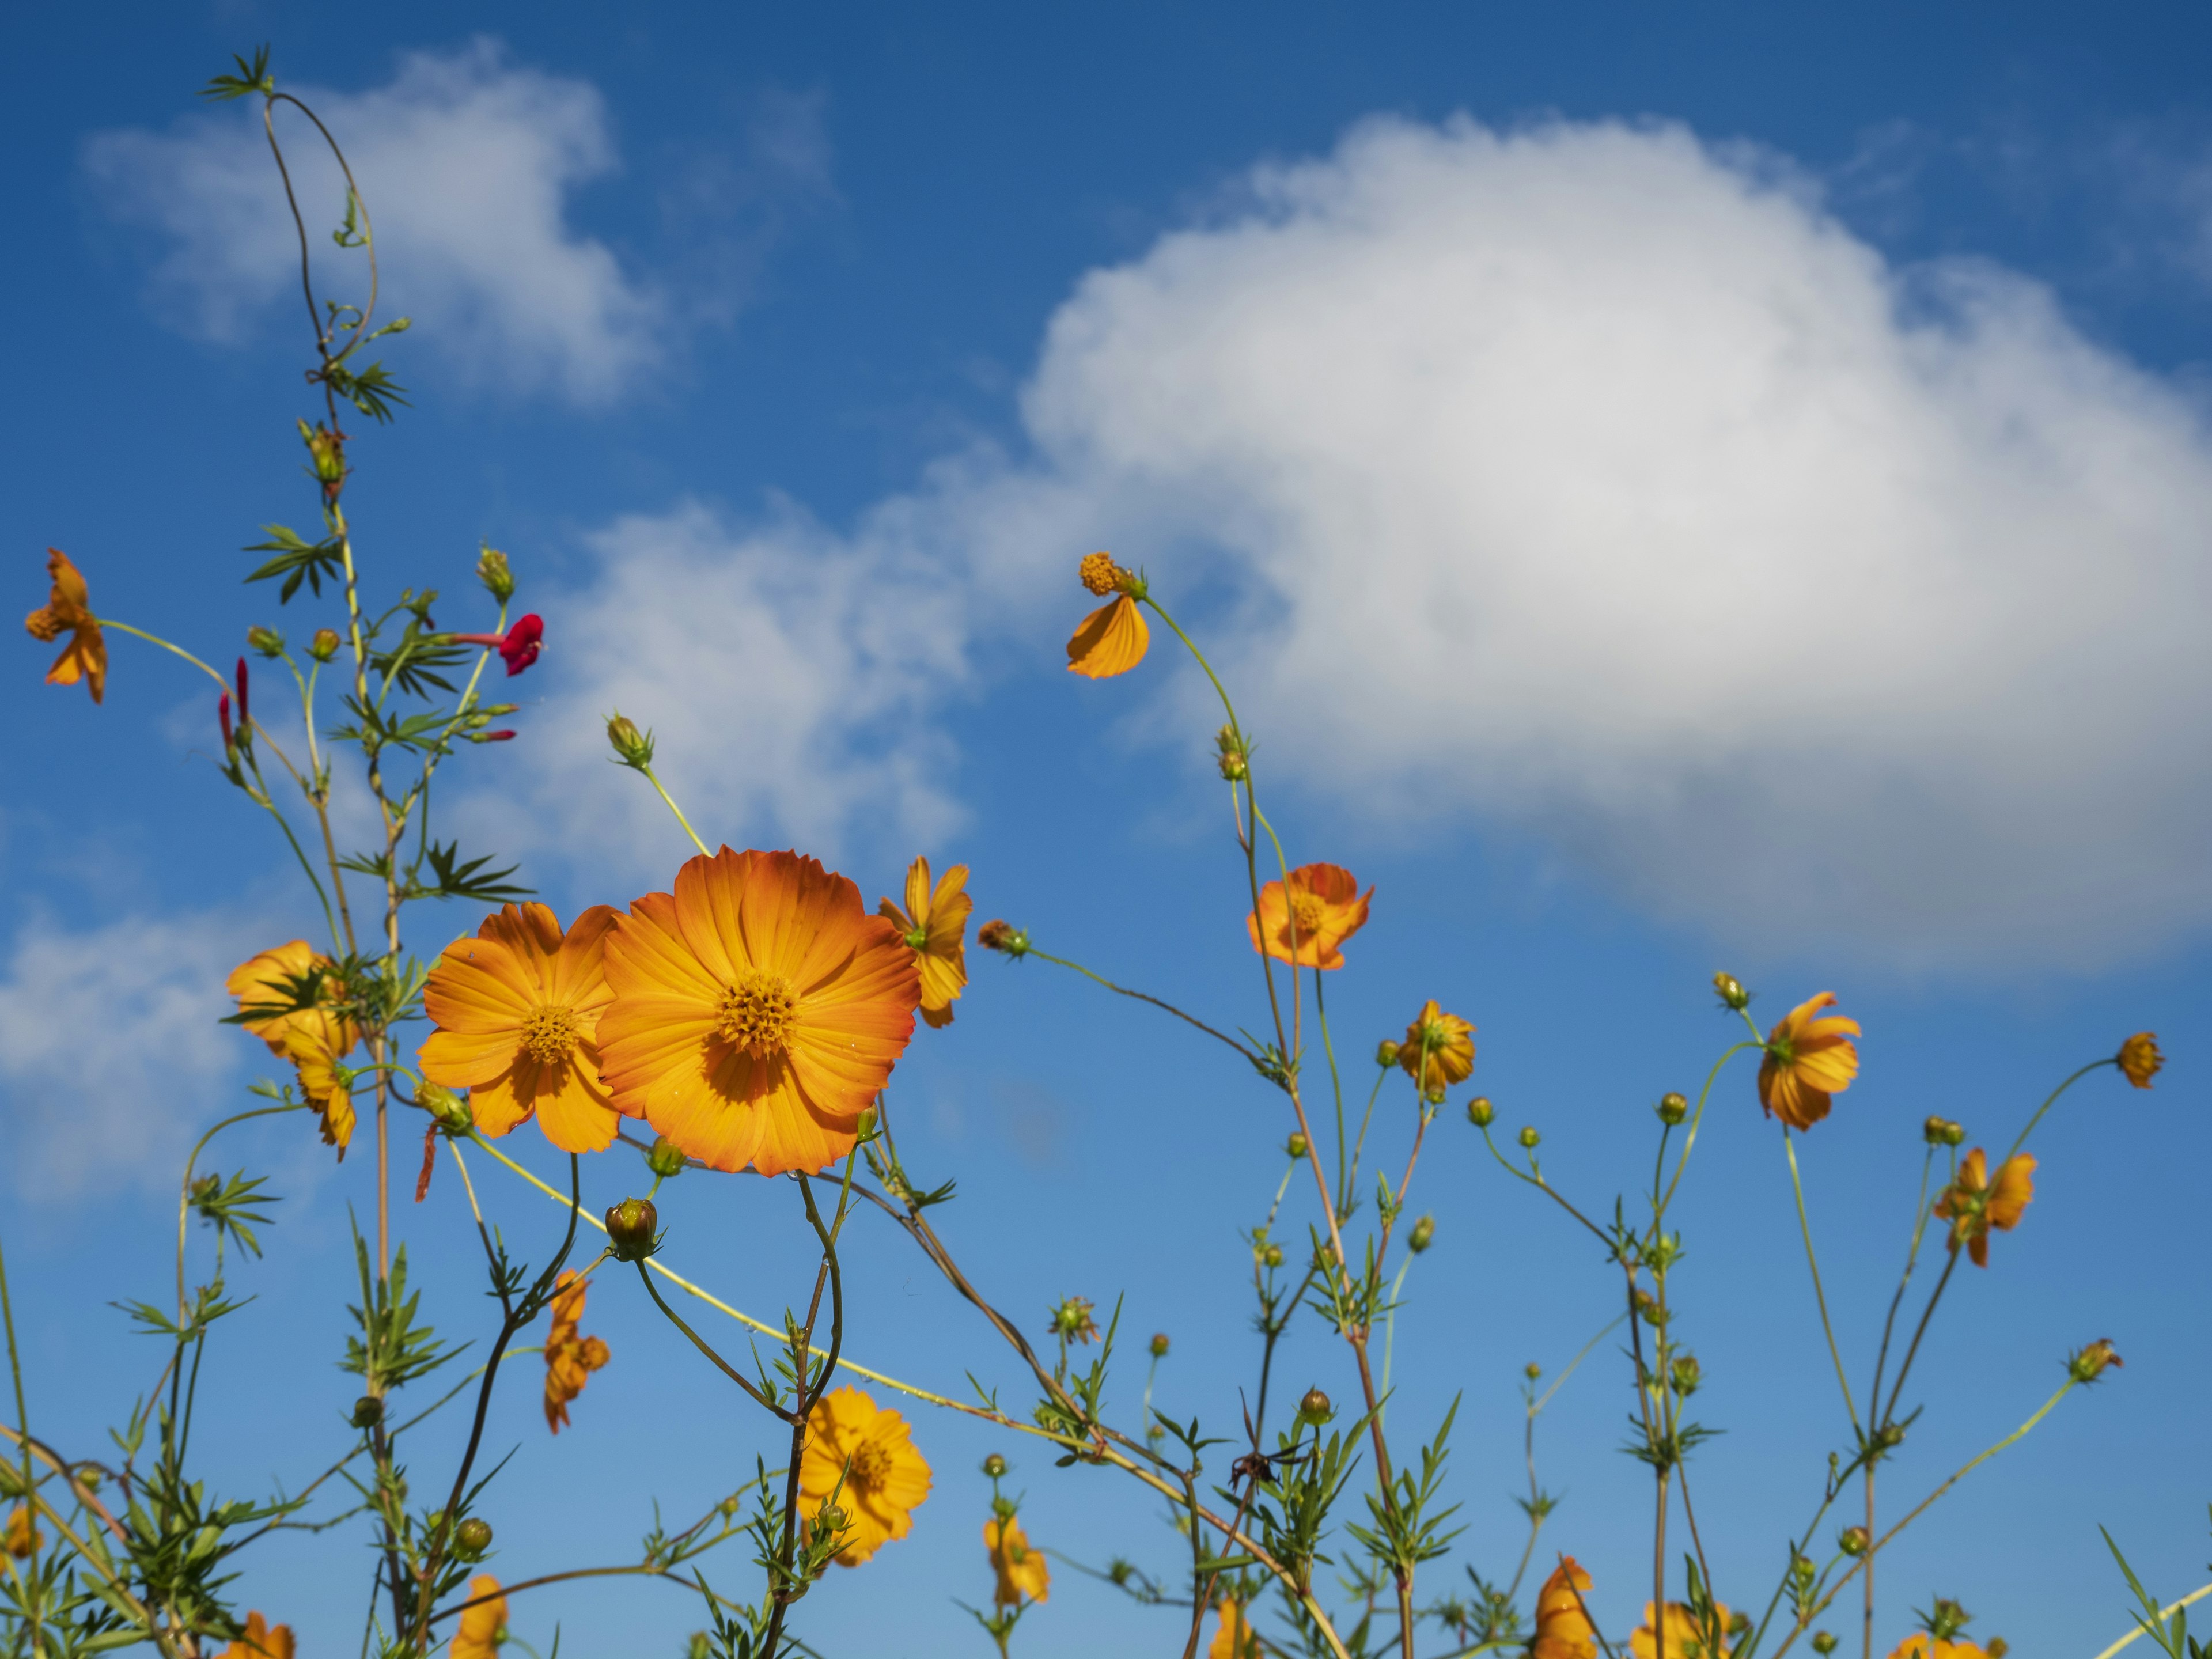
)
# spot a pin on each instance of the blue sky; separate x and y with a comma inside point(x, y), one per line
point(1722, 486)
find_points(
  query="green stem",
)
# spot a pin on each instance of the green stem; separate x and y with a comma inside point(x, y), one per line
point(1813, 1259)
point(647, 771)
point(2021, 1139)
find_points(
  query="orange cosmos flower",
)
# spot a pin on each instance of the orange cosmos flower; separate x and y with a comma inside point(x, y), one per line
point(483, 1626)
point(1563, 1629)
point(872, 1452)
point(1234, 1637)
point(1021, 1571)
point(261, 1641)
point(324, 1084)
point(933, 924)
point(1321, 905)
point(758, 1011)
point(1807, 1059)
point(1973, 1204)
point(2139, 1059)
point(517, 1009)
point(1113, 639)
point(276, 980)
point(570, 1359)
point(1448, 1043)
point(1679, 1638)
point(69, 608)
point(23, 1534)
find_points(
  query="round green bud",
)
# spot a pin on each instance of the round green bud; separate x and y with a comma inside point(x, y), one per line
point(324, 645)
point(1529, 1138)
point(1672, 1109)
point(367, 1412)
point(1731, 991)
point(267, 640)
point(1160, 1344)
point(665, 1159)
point(471, 1539)
point(1532, 1371)
point(447, 1109)
point(1315, 1407)
point(1480, 1111)
point(1273, 1255)
point(1386, 1053)
point(631, 1228)
point(1853, 1540)
point(995, 1466)
point(829, 1520)
point(1295, 1147)
point(632, 747)
point(1824, 1643)
point(1424, 1235)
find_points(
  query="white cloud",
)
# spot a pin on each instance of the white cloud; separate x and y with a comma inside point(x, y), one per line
point(469, 164)
point(1583, 480)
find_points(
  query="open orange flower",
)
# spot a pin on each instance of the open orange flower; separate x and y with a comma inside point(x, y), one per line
point(1678, 1637)
point(23, 1534)
point(275, 981)
point(757, 1010)
point(483, 1626)
point(934, 924)
point(1807, 1059)
point(570, 1359)
point(262, 1640)
point(1113, 639)
point(68, 609)
point(1563, 1629)
point(871, 1452)
point(1448, 1041)
point(1318, 904)
point(1021, 1573)
point(517, 1010)
point(2139, 1059)
point(1234, 1637)
point(1974, 1203)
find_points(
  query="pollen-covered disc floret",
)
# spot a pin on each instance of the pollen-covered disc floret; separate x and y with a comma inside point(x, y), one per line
point(1101, 574)
point(549, 1035)
point(755, 1014)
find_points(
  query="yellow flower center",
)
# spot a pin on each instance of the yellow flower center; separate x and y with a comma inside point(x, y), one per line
point(550, 1034)
point(756, 1014)
point(1306, 911)
point(870, 1469)
point(1100, 573)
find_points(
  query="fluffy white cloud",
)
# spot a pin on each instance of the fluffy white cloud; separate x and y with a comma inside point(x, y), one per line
point(468, 163)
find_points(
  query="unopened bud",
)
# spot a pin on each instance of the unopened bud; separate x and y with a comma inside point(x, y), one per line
point(995, 1466)
point(447, 1110)
point(1890, 1435)
point(1731, 991)
point(1996, 1647)
point(1480, 1111)
point(1942, 1132)
point(829, 1520)
point(2092, 1362)
point(492, 737)
point(1003, 1507)
point(1386, 1053)
point(1001, 937)
point(367, 1412)
point(1853, 1540)
point(1672, 1109)
point(1160, 1344)
point(1234, 758)
point(267, 640)
point(1824, 1643)
point(630, 1227)
point(1273, 1255)
point(1532, 1371)
point(1295, 1147)
point(1529, 1138)
point(493, 572)
point(665, 1159)
point(1424, 1235)
point(1315, 1407)
point(632, 747)
point(698, 1647)
point(1687, 1374)
point(324, 645)
point(1435, 1097)
point(471, 1539)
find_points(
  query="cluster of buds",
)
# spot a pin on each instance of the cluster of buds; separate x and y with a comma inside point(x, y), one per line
point(1234, 756)
point(325, 458)
point(1731, 992)
point(1648, 1309)
point(632, 747)
point(473, 724)
point(1942, 1132)
point(1004, 938)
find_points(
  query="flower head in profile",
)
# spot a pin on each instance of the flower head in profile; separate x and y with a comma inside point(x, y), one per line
point(872, 1453)
point(484, 1623)
point(934, 924)
point(287, 996)
point(1438, 1050)
point(23, 1536)
point(1306, 915)
point(1678, 1635)
point(1941, 1636)
point(570, 1357)
point(1234, 1637)
point(1071, 1321)
point(516, 1009)
point(326, 1084)
point(261, 1640)
point(68, 609)
point(1808, 1059)
point(1974, 1203)
point(2139, 1059)
point(2093, 1361)
point(758, 1011)
point(517, 647)
point(1113, 639)
point(1563, 1628)
point(1021, 1571)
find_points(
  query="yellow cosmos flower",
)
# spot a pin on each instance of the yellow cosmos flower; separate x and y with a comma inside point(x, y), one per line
point(1679, 1637)
point(2140, 1059)
point(68, 609)
point(325, 1086)
point(570, 1359)
point(1448, 1043)
point(934, 924)
point(1807, 1059)
point(517, 1010)
point(1318, 905)
point(483, 1626)
point(1021, 1573)
point(1921, 1645)
point(758, 1011)
point(1113, 639)
point(872, 1452)
point(261, 1641)
point(276, 979)
point(23, 1534)
point(1234, 1637)
point(1974, 1203)
point(1563, 1629)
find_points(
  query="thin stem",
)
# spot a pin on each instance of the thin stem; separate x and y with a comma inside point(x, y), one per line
point(1813, 1259)
point(1141, 996)
point(670, 801)
point(33, 1601)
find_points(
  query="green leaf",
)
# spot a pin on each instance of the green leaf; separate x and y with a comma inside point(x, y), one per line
point(251, 78)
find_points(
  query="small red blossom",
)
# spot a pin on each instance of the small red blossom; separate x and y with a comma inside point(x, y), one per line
point(519, 646)
point(242, 717)
point(502, 736)
point(222, 713)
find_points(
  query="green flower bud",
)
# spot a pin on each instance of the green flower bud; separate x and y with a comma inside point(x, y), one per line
point(1672, 1109)
point(471, 1539)
point(1529, 1138)
point(665, 1159)
point(367, 1412)
point(1824, 1643)
point(1424, 1234)
point(995, 1466)
point(1731, 991)
point(1273, 1255)
point(829, 1520)
point(267, 640)
point(1234, 758)
point(1479, 1112)
point(447, 1109)
point(1295, 1147)
point(631, 1225)
point(1532, 1371)
point(1853, 1540)
point(324, 645)
point(493, 572)
point(1160, 1344)
point(632, 747)
point(1386, 1053)
point(1315, 1407)
point(1687, 1374)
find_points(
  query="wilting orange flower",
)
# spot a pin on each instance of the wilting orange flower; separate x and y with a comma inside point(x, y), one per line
point(1234, 1637)
point(758, 1011)
point(483, 1626)
point(933, 924)
point(23, 1536)
point(1563, 1629)
point(1021, 1573)
point(1973, 1204)
point(570, 1359)
point(262, 1640)
point(2093, 1361)
point(274, 978)
point(517, 1010)
point(325, 1086)
point(872, 1452)
point(1679, 1632)
point(69, 608)
point(1448, 1043)
point(2140, 1059)
point(1320, 903)
point(1113, 639)
point(1807, 1059)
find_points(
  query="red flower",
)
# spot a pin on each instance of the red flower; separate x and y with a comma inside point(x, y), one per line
point(519, 646)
